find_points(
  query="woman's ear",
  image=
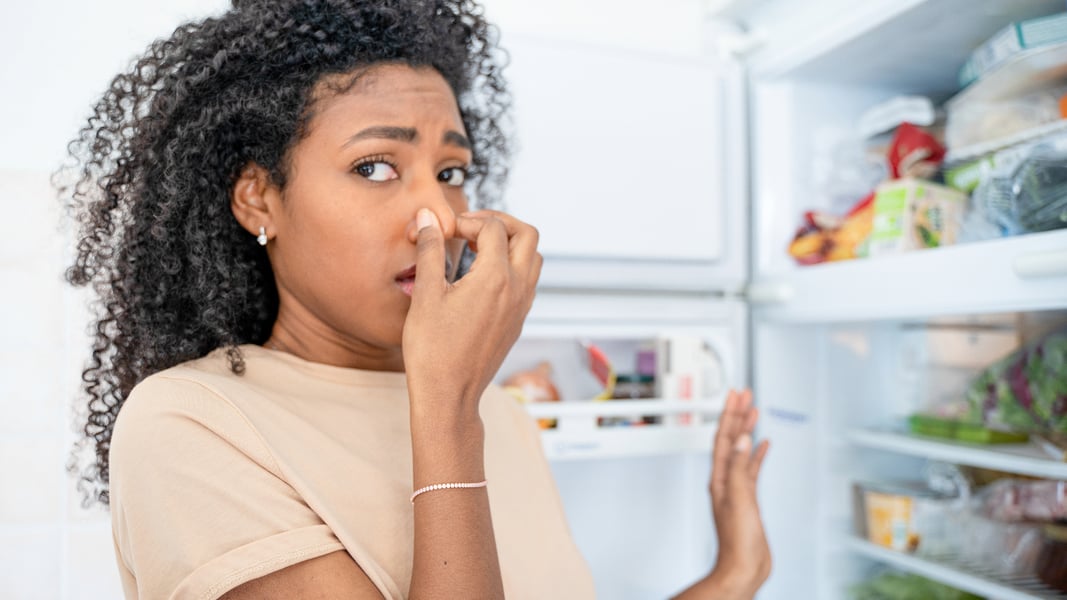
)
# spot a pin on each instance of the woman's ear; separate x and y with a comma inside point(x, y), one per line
point(252, 199)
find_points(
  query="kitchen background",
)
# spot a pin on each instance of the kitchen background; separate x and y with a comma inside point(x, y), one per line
point(757, 192)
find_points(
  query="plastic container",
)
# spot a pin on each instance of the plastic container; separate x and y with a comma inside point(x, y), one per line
point(1006, 549)
point(1039, 190)
point(906, 516)
point(965, 432)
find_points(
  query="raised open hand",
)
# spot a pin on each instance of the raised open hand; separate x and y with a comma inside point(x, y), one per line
point(744, 556)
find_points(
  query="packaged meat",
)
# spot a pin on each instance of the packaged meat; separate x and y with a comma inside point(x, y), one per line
point(1017, 500)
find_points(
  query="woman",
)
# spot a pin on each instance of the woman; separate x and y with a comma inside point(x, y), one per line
point(289, 391)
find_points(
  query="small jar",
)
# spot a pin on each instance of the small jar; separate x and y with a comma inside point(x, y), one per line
point(633, 387)
point(629, 386)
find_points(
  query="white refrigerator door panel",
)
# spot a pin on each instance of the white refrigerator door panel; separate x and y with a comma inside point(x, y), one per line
point(642, 521)
point(786, 390)
point(631, 163)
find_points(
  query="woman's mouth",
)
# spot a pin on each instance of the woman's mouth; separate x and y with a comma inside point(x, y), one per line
point(405, 279)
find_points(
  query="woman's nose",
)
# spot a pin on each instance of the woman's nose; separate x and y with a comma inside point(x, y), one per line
point(436, 199)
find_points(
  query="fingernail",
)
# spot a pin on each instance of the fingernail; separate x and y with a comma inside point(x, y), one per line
point(744, 443)
point(424, 218)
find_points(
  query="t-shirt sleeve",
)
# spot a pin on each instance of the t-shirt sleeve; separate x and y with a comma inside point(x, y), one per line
point(198, 503)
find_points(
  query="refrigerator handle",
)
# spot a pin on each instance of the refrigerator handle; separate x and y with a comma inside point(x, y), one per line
point(769, 292)
point(1041, 264)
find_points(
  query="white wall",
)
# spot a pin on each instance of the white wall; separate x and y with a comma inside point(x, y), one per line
point(59, 56)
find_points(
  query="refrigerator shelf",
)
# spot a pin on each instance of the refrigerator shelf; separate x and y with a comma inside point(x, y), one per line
point(620, 408)
point(627, 442)
point(578, 437)
point(957, 573)
point(1024, 459)
point(1022, 273)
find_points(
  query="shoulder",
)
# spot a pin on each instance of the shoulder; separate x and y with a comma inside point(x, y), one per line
point(183, 390)
point(189, 403)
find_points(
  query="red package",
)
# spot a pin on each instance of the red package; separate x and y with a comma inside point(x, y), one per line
point(914, 153)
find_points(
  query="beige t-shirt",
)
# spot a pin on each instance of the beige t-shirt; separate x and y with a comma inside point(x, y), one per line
point(217, 479)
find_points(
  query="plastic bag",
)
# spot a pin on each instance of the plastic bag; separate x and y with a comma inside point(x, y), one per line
point(1027, 390)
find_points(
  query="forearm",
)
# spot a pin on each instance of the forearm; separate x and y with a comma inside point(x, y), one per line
point(455, 550)
point(718, 585)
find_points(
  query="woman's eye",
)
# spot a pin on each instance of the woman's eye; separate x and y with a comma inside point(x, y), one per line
point(377, 171)
point(454, 176)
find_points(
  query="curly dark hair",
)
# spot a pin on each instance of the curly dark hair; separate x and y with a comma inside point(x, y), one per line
point(176, 275)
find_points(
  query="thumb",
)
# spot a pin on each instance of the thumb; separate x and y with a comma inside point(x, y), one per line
point(430, 250)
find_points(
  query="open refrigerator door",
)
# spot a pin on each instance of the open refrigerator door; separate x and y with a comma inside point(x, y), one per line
point(903, 358)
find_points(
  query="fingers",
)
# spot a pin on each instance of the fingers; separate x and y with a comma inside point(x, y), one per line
point(430, 251)
point(502, 239)
point(723, 445)
point(522, 237)
point(756, 463)
point(487, 236)
point(733, 458)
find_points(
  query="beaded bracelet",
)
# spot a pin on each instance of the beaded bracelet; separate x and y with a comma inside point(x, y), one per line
point(447, 486)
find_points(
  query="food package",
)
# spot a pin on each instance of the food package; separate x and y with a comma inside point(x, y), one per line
point(1010, 42)
point(534, 385)
point(1005, 548)
point(687, 368)
point(914, 152)
point(1016, 500)
point(912, 214)
point(890, 585)
point(1025, 391)
point(826, 238)
point(971, 122)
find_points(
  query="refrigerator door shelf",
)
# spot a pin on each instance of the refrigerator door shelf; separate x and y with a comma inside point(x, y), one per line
point(1025, 273)
point(624, 442)
point(577, 435)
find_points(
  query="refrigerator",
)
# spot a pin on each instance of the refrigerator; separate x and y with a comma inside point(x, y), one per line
point(667, 178)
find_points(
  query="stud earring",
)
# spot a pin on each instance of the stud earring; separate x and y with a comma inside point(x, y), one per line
point(262, 237)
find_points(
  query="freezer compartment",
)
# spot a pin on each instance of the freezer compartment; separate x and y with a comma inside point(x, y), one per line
point(823, 121)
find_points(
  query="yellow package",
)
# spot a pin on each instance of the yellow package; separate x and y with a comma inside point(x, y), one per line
point(889, 521)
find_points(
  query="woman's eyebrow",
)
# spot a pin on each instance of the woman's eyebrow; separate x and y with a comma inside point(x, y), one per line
point(402, 134)
point(456, 138)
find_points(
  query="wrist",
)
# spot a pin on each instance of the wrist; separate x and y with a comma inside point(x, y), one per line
point(447, 452)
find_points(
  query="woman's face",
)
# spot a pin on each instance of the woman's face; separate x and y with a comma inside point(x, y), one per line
point(343, 235)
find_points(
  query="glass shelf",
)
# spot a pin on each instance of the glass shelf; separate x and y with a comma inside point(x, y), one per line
point(1024, 459)
point(958, 573)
